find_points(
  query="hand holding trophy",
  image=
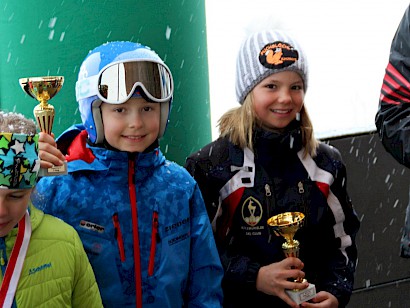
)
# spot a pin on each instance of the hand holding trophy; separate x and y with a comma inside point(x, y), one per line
point(286, 225)
point(43, 89)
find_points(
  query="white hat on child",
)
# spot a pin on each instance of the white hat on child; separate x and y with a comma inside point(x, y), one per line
point(264, 53)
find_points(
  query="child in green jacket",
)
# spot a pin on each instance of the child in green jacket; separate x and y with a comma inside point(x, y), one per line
point(42, 260)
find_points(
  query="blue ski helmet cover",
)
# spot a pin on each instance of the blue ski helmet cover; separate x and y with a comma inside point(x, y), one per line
point(95, 64)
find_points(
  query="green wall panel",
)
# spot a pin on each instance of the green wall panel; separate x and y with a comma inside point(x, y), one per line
point(53, 37)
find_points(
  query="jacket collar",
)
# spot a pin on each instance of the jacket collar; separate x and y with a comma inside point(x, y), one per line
point(279, 142)
point(83, 156)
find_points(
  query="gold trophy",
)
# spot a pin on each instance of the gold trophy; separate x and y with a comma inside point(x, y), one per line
point(286, 225)
point(43, 89)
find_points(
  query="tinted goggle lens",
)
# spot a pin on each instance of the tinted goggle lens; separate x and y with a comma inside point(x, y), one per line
point(119, 81)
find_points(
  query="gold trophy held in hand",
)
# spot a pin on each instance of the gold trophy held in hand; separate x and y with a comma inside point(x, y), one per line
point(43, 89)
point(286, 225)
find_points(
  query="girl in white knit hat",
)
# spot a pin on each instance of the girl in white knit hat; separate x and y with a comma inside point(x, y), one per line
point(267, 162)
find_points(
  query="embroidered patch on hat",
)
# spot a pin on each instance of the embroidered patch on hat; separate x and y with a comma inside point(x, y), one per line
point(278, 55)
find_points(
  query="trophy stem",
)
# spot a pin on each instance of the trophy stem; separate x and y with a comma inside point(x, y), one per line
point(291, 249)
point(45, 117)
point(43, 104)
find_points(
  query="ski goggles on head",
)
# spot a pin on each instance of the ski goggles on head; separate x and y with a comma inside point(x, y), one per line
point(118, 81)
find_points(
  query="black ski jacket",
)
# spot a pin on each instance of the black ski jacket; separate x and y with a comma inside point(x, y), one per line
point(242, 189)
point(393, 115)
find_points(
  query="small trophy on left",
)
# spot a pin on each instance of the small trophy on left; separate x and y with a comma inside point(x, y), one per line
point(43, 89)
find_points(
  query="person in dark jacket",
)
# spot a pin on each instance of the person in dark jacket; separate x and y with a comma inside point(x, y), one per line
point(141, 218)
point(393, 116)
point(267, 162)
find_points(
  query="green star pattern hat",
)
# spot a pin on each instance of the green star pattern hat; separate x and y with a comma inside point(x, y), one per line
point(19, 161)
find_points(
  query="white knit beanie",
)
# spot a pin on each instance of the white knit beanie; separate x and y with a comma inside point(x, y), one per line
point(265, 53)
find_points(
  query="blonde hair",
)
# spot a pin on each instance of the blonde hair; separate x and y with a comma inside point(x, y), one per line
point(238, 124)
point(11, 122)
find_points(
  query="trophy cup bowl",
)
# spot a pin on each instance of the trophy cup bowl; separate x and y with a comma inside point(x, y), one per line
point(43, 89)
point(286, 225)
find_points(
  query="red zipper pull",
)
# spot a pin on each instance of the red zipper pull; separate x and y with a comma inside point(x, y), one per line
point(118, 236)
point(154, 240)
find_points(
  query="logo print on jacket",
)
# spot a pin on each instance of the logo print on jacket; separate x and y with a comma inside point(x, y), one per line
point(176, 225)
point(278, 55)
point(91, 226)
point(39, 268)
point(251, 211)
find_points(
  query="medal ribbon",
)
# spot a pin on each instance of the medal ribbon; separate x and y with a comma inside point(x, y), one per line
point(15, 264)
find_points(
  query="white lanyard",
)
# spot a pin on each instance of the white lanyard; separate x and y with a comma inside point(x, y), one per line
point(15, 264)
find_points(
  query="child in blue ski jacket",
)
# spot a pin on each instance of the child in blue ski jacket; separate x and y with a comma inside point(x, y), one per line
point(141, 218)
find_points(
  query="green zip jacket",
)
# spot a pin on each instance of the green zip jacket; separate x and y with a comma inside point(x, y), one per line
point(56, 271)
